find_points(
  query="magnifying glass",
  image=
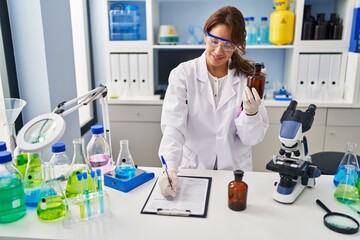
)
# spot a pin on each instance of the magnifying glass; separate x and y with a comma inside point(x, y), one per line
point(339, 222)
point(41, 132)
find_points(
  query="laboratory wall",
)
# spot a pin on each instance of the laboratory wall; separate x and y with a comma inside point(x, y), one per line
point(44, 57)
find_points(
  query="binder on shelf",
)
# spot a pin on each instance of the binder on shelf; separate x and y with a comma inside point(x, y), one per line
point(113, 85)
point(313, 76)
point(134, 75)
point(334, 90)
point(143, 74)
point(324, 66)
point(124, 75)
point(301, 86)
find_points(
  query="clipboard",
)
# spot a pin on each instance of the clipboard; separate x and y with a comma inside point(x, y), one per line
point(192, 196)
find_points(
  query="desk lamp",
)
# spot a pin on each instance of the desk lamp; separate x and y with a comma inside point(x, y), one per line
point(44, 130)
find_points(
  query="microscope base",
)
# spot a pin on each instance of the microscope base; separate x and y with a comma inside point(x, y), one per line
point(289, 198)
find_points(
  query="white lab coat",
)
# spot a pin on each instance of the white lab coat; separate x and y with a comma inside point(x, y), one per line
point(195, 132)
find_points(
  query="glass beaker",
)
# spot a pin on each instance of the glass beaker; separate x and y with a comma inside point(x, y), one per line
point(33, 179)
point(125, 167)
point(346, 192)
point(78, 165)
point(52, 205)
point(349, 158)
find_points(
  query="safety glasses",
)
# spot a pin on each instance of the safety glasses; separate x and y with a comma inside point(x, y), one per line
point(215, 41)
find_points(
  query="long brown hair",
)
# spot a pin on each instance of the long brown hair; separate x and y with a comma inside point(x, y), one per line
point(234, 20)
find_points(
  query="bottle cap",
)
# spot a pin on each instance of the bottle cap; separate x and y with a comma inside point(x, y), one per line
point(2, 146)
point(58, 147)
point(98, 172)
point(84, 174)
point(97, 129)
point(239, 173)
point(92, 174)
point(263, 18)
point(5, 156)
point(131, 7)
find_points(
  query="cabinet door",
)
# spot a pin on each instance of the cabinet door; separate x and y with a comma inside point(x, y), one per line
point(144, 140)
point(336, 137)
point(140, 124)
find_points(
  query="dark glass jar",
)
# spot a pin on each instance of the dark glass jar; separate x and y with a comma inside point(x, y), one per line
point(237, 192)
point(257, 80)
point(308, 24)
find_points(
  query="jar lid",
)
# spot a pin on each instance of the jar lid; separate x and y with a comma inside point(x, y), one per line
point(2, 146)
point(97, 129)
point(5, 156)
point(239, 173)
point(58, 147)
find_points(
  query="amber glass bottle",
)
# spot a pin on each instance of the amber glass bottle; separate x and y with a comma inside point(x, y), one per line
point(237, 192)
point(257, 80)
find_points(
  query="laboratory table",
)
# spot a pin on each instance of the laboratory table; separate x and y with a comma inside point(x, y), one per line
point(264, 218)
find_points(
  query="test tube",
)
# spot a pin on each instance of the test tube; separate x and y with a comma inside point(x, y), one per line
point(82, 209)
point(86, 193)
point(100, 190)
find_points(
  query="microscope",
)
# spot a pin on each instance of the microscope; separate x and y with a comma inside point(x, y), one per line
point(293, 163)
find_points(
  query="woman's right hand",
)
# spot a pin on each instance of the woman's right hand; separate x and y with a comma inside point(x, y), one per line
point(167, 190)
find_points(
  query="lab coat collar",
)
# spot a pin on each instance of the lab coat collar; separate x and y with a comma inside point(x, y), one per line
point(229, 89)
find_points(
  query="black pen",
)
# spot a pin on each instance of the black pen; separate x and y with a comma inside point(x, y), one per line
point(166, 170)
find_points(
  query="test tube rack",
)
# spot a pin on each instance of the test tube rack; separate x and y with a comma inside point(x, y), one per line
point(87, 207)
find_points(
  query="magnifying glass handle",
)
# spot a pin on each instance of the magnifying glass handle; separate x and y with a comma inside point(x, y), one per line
point(322, 205)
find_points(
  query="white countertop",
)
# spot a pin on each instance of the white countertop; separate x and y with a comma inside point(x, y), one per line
point(264, 218)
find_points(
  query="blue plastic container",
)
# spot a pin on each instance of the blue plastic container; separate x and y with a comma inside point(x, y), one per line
point(124, 22)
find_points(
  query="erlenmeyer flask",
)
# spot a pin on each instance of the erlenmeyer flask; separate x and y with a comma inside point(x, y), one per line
point(78, 165)
point(33, 179)
point(125, 167)
point(52, 204)
point(349, 158)
point(346, 192)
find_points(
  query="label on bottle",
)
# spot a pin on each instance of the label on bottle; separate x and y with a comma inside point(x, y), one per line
point(16, 203)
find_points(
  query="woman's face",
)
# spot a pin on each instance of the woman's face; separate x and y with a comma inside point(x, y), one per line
point(217, 55)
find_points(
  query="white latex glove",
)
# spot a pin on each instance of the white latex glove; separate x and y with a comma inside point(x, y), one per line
point(251, 101)
point(168, 191)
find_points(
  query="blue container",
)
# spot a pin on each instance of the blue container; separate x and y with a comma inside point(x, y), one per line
point(124, 22)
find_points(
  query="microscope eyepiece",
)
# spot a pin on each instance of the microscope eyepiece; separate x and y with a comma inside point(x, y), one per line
point(311, 109)
point(292, 105)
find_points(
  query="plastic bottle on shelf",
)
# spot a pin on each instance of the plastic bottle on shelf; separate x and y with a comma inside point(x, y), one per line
point(338, 28)
point(98, 150)
point(282, 22)
point(12, 197)
point(251, 32)
point(59, 165)
point(308, 24)
point(237, 192)
point(263, 31)
point(320, 27)
point(78, 166)
point(330, 26)
point(349, 158)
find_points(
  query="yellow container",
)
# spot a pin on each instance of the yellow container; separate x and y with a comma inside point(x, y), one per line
point(282, 23)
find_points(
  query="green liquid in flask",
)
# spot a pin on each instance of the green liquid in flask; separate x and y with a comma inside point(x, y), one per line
point(12, 201)
point(347, 194)
point(51, 208)
point(74, 188)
